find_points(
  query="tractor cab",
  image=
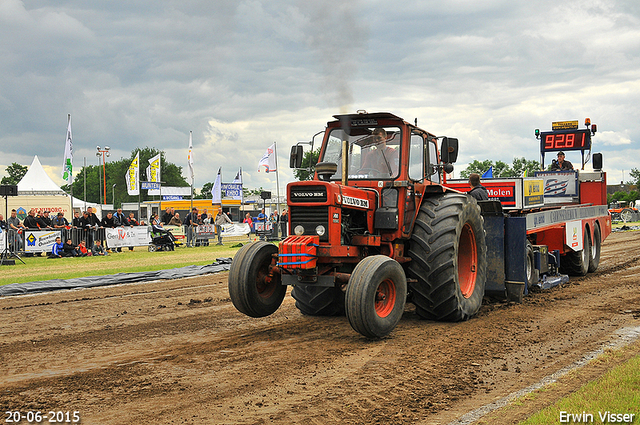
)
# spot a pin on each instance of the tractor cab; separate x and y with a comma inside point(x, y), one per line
point(372, 171)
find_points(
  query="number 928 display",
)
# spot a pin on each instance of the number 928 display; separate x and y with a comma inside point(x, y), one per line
point(565, 140)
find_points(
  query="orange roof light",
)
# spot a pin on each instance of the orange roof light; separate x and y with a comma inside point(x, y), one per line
point(587, 122)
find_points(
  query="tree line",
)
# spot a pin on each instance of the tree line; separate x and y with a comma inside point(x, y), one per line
point(172, 176)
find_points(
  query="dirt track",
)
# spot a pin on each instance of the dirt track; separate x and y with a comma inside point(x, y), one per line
point(178, 352)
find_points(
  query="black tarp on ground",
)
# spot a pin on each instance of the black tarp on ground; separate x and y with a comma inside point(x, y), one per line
point(221, 264)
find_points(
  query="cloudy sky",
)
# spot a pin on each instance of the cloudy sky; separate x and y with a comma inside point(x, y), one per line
point(242, 74)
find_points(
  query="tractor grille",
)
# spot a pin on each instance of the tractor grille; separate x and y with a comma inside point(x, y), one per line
point(308, 194)
point(310, 218)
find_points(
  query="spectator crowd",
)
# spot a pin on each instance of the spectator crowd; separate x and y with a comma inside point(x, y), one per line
point(84, 235)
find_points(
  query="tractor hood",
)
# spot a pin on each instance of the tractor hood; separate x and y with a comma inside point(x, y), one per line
point(329, 193)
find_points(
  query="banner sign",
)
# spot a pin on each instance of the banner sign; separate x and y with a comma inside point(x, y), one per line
point(205, 230)
point(40, 240)
point(127, 236)
point(172, 197)
point(551, 217)
point(533, 192)
point(559, 186)
point(235, 229)
point(232, 190)
point(2, 236)
point(262, 227)
point(150, 185)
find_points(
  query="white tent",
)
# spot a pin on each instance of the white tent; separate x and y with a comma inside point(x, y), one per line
point(38, 182)
point(39, 192)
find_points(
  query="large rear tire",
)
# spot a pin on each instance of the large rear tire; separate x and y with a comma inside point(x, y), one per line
point(251, 289)
point(318, 300)
point(596, 246)
point(448, 258)
point(376, 295)
point(576, 263)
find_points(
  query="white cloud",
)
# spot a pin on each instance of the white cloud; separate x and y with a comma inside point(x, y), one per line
point(244, 74)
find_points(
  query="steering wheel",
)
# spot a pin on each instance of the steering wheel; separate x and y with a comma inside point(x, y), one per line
point(373, 172)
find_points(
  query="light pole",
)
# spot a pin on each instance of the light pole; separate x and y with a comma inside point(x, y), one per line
point(113, 195)
point(103, 152)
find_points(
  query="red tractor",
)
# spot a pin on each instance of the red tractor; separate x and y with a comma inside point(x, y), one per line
point(374, 227)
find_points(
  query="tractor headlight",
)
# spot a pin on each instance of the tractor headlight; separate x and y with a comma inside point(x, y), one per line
point(298, 230)
point(320, 230)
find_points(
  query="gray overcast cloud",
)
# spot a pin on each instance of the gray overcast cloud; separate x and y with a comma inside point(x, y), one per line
point(243, 74)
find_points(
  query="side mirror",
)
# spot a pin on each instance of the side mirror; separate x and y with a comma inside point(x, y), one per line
point(449, 150)
point(597, 161)
point(295, 159)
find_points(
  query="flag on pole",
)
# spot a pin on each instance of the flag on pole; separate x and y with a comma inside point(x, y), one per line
point(238, 178)
point(133, 176)
point(67, 162)
point(153, 170)
point(488, 174)
point(216, 192)
point(269, 159)
point(190, 158)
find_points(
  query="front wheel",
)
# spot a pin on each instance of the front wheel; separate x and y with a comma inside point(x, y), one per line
point(376, 295)
point(253, 288)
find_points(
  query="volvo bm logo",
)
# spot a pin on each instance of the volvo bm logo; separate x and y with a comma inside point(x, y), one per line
point(307, 194)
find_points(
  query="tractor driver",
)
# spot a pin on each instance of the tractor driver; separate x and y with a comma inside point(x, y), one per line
point(383, 159)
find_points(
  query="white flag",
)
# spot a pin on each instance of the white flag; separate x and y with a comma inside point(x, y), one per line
point(269, 159)
point(133, 176)
point(238, 178)
point(153, 170)
point(216, 192)
point(67, 162)
point(190, 158)
point(238, 181)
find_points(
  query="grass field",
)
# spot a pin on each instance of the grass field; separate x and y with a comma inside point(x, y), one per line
point(616, 393)
point(139, 260)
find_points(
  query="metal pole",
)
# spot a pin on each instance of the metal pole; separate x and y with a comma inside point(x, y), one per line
point(68, 123)
point(100, 181)
point(275, 152)
point(84, 168)
point(104, 170)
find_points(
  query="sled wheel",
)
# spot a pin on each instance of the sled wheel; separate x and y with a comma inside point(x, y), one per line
point(448, 258)
point(596, 246)
point(319, 300)
point(152, 248)
point(252, 289)
point(576, 263)
point(376, 295)
point(626, 215)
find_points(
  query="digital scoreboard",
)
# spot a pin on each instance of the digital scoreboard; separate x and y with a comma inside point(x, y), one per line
point(565, 140)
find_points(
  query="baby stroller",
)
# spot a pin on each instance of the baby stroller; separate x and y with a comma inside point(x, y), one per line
point(161, 240)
